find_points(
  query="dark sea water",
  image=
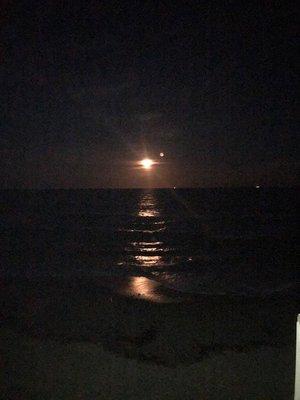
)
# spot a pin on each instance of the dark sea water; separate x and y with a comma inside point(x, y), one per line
point(201, 241)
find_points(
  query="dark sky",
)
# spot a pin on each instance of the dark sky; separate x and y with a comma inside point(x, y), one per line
point(88, 87)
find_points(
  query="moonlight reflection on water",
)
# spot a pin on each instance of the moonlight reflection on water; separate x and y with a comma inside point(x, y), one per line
point(146, 289)
point(148, 208)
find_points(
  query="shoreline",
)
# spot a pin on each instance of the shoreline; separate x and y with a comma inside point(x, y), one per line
point(201, 346)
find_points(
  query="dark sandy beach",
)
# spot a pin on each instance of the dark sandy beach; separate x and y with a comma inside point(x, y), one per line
point(103, 340)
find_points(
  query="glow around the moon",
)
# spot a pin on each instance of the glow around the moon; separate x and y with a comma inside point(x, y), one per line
point(146, 163)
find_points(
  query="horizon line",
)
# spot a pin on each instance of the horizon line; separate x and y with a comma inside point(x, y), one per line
point(152, 188)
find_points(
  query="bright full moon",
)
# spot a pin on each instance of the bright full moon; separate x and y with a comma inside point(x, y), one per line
point(146, 163)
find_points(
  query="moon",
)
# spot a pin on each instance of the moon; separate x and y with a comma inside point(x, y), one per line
point(146, 163)
point(161, 154)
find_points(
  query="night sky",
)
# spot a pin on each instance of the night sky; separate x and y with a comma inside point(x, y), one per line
point(89, 88)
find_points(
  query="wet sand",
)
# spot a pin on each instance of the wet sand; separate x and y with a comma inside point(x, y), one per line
point(134, 339)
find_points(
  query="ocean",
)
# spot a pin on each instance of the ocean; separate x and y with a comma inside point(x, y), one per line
point(239, 241)
point(148, 294)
